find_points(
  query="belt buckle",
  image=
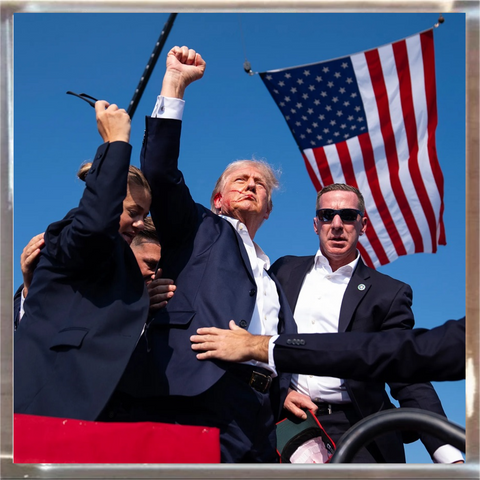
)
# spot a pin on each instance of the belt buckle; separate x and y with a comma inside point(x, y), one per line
point(260, 382)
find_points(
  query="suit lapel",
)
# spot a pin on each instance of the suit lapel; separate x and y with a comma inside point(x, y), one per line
point(357, 288)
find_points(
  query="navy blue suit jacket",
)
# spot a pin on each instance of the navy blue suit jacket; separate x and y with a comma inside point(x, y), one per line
point(87, 303)
point(416, 355)
point(208, 262)
point(373, 302)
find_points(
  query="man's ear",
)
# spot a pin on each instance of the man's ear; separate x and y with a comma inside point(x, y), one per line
point(315, 225)
point(364, 225)
point(217, 201)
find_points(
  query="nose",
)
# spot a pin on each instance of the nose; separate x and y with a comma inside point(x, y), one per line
point(139, 224)
point(337, 221)
point(251, 184)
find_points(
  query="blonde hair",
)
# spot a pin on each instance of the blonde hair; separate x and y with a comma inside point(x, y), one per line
point(135, 176)
point(269, 174)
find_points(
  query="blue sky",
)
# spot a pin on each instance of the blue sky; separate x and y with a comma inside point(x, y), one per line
point(229, 115)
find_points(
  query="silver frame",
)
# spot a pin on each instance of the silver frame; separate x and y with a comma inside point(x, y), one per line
point(470, 470)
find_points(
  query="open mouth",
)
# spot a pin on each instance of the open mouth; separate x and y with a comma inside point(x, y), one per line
point(128, 236)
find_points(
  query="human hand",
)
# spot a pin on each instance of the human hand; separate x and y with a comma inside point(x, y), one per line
point(29, 259)
point(113, 123)
point(160, 290)
point(184, 66)
point(296, 403)
point(234, 345)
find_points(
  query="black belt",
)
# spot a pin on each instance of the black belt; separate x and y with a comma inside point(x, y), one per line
point(258, 378)
point(329, 408)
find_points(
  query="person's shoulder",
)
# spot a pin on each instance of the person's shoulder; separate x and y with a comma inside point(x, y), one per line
point(289, 261)
point(385, 279)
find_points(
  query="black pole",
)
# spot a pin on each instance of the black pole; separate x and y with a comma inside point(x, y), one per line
point(374, 425)
point(150, 65)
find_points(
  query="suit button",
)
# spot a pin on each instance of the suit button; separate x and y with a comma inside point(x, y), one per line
point(252, 292)
point(243, 323)
point(289, 341)
point(302, 341)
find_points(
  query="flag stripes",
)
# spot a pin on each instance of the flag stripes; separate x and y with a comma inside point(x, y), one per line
point(369, 120)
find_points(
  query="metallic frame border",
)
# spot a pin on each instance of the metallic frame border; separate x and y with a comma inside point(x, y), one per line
point(470, 470)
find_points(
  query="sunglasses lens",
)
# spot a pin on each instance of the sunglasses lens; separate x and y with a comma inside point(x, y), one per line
point(348, 215)
point(328, 214)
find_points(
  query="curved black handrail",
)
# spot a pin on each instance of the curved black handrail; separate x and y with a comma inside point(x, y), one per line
point(374, 425)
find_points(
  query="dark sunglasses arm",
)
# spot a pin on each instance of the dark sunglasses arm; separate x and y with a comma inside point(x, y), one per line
point(84, 97)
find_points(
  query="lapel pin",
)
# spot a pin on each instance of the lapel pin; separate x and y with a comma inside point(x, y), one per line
point(361, 287)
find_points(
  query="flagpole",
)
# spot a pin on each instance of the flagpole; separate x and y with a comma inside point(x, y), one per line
point(150, 65)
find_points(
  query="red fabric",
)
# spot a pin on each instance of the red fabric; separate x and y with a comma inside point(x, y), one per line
point(57, 440)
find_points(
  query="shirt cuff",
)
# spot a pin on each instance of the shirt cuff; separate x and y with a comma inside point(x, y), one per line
point(447, 454)
point(271, 345)
point(22, 311)
point(167, 107)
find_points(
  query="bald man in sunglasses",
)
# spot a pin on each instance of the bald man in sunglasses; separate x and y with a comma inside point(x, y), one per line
point(334, 291)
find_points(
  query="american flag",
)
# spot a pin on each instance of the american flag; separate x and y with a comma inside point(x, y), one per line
point(369, 120)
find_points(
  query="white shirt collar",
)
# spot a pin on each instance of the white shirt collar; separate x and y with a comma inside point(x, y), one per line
point(242, 230)
point(322, 262)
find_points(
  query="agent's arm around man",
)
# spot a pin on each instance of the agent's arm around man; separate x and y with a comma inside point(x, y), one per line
point(416, 355)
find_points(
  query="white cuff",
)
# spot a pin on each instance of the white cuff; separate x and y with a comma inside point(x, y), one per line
point(447, 454)
point(22, 311)
point(167, 107)
point(271, 345)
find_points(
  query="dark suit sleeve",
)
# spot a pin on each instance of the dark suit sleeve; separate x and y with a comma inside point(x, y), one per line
point(87, 235)
point(173, 209)
point(417, 355)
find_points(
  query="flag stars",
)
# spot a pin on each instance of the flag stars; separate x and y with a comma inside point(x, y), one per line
point(349, 80)
point(310, 111)
point(293, 90)
point(300, 81)
point(315, 125)
point(321, 117)
point(304, 118)
point(305, 96)
point(319, 137)
point(311, 88)
point(344, 65)
point(335, 99)
point(358, 109)
point(281, 83)
point(318, 78)
point(339, 113)
point(360, 119)
point(287, 99)
point(333, 122)
point(350, 118)
point(353, 127)
point(324, 94)
point(288, 75)
point(309, 131)
point(343, 125)
point(337, 74)
point(268, 77)
point(325, 69)
point(353, 95)
point(298, 124)
point(328, 108)
point(330, 84)
point(346, 104)
point(292, 110)
point(342, 90)
point(299, 105)
point(326, 130)
point(306, 73)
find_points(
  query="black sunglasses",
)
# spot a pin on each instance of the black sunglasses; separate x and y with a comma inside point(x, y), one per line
point(85, 97)
point(346, 214)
